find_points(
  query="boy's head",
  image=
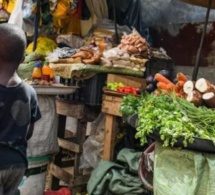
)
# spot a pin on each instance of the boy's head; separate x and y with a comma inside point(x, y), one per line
point(12, 43)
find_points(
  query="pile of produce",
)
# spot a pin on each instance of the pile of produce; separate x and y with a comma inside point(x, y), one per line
point(172, 117)
point(82, 55)
point(201, 92)
point(133, 43)
point(115, 57)
point(120, 87)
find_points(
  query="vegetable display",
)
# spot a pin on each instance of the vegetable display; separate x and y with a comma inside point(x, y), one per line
point(171, 116)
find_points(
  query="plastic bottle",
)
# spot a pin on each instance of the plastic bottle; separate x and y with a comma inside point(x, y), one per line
point(37, 71)
point(47, 73)
point(101, 45)
point(52, 75)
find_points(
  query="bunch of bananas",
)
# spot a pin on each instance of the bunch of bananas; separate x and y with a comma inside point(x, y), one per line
point(44, 45)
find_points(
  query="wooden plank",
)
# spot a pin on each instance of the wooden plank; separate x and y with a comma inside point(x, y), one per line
point(111, 107)
point(60, 173)
point(69, 145)
point(81, 180)
point(112, 98)
point(127, 80)
point(67, 108)
point(110, 137)
point(57, 158)
point(81, 136)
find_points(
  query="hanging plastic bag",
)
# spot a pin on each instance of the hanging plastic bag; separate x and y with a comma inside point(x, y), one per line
point(29, 8)
point(16, 16)
point(93, 146)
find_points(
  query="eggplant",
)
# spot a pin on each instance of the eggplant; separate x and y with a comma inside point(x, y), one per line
point(166, 73)
point(151, 87)
point(150, 79)
point(175, 80)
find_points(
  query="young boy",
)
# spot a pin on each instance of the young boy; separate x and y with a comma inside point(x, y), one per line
point(18, 109)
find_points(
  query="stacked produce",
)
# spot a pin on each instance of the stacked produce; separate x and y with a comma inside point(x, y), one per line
point(120, 87)
point(170, 116)
point(115, 57)
point(133, 44)
point(82, 55)
point(129, 54)
point(162, 82)
point(201, 92)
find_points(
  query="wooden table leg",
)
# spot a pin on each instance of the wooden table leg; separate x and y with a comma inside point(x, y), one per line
point(57, 160)
point(110, 136)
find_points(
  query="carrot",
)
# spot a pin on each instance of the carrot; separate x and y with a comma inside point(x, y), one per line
point(160, 78)
point(170, 87)
point(179, 95)
point(162, 85)
point(179, 86)
point(181, 77)
point(166, 92)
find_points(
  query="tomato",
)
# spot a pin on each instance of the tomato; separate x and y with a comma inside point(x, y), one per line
point(120, 89)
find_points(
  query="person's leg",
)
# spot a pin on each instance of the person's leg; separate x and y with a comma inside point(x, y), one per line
point(1, 189)
point(13, 177)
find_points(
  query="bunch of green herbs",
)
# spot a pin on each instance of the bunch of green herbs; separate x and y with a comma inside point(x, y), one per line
point(171, 117)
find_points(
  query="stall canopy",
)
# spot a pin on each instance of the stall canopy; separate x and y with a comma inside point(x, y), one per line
point(160, 13)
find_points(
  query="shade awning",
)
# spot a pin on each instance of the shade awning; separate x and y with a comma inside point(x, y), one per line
point(203, 3)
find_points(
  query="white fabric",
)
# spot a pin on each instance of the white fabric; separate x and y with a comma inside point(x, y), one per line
point(33, 185)
point(44, 138)
point(16, 16)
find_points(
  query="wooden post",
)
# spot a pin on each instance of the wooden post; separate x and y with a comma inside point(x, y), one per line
point(110, 136)
point(57, 159)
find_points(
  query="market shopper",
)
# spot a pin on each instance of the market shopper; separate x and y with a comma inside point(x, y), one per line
point(18, 109)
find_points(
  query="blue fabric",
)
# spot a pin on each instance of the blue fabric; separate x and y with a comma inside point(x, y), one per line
point(11, 158)
point(18, 108)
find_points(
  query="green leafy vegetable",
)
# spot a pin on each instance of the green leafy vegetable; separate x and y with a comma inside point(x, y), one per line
point(172, 117)
point(129, 105)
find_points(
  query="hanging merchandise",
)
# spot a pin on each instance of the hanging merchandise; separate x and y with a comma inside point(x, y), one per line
point(44, 45)
point(4, 15)
point(98, 8)
point(29, 8)
point(85, 11)
point(10, 6)
point(16, 16)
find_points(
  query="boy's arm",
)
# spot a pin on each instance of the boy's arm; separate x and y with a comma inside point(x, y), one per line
point(30, 131)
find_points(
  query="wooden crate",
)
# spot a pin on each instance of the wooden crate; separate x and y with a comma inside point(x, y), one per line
point(127, 80)
point(111, 105)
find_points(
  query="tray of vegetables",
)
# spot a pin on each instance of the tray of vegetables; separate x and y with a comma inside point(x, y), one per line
point(171, 120)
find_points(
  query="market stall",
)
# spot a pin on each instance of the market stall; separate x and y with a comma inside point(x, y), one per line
point(131, 83)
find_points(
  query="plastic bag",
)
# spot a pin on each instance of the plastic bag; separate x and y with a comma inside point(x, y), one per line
point(178, 172)
point(70, 40)
point(93, 146)
point(16, 16)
